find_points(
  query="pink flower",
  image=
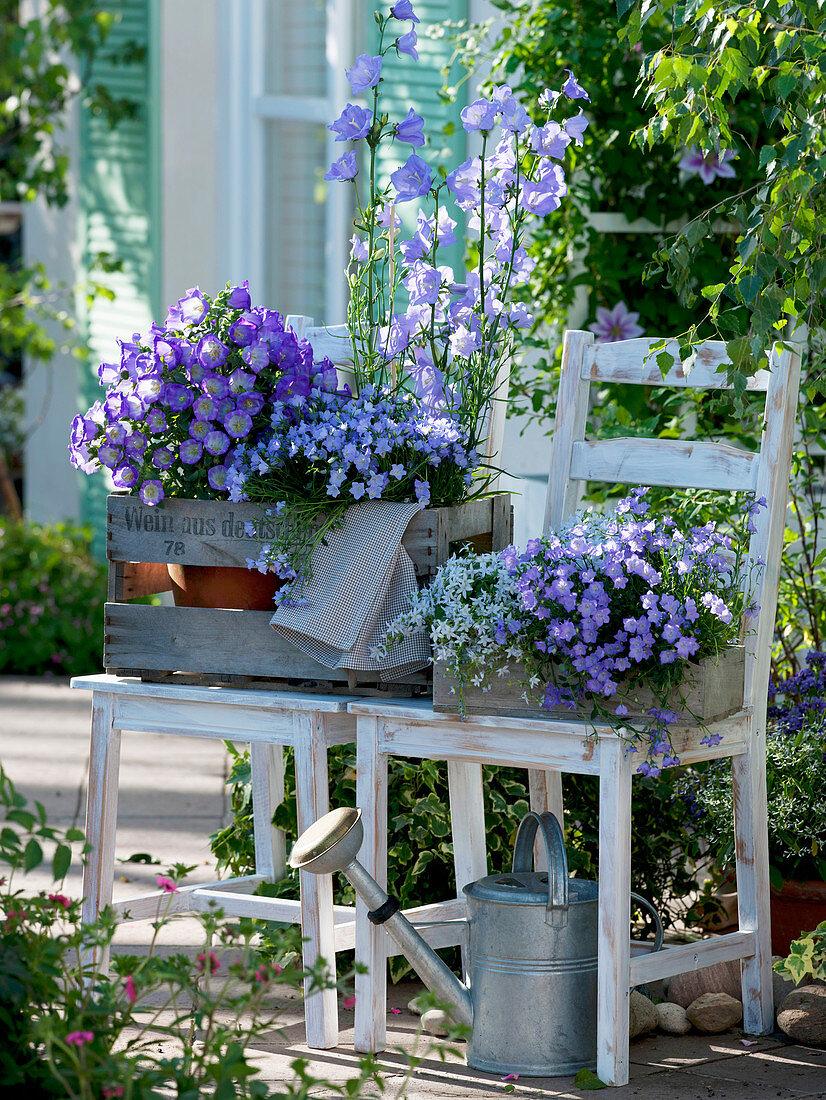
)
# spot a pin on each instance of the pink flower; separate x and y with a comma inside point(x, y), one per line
point(396, 1011)
point(349, 1002)
point(262, 974)
point(166, 884)
point(707, 166)
point(113, 1091)
point(511, 1077)
point(208, 959)
point(78, 1038)
point(60, 899)
point(130, 990)
point(616, 324)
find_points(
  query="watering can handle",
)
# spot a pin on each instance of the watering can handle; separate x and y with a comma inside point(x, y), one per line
point(659, 933)
point(557, 912)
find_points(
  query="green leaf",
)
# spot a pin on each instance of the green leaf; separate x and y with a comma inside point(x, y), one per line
point(32, 856)
point(623, 7)
point(586, 1080)
point(775, 878)
point(61, 861)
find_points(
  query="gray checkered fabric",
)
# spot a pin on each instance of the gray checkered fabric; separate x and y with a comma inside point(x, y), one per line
point(362, 579)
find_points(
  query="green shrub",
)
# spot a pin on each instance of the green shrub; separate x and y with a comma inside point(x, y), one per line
point(420, 849)
point(52, 593)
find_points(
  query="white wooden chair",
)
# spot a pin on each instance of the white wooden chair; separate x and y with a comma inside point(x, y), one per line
point(549, 746)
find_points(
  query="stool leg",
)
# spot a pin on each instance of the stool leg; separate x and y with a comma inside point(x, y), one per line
point(371, 946)
point(467, 823)
point(267, 769)
point(614, 945)
point(752, 857)
point(101, 816)
point(317, 923)
point(545, 788)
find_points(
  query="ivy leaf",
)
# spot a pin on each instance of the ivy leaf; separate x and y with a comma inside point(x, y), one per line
point(586, 1080)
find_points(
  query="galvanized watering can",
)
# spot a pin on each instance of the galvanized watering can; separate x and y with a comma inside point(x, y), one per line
point(532, 948)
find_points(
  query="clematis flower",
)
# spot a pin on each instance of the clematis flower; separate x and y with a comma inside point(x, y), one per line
point(410, 128)
point(708, 166)
point(353, 123)
point(407, 44)
point(573, 89)
point(343, 169)
point(412, 180)
point(479, 115)
point(616, 324)
point(365, 73)
point(403, 9)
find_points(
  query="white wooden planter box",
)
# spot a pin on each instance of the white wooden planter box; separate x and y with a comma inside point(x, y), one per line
point(711, 689)
point(229, 645)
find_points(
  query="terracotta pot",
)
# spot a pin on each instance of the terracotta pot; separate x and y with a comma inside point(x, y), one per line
point(222, 586)
point(798, 907)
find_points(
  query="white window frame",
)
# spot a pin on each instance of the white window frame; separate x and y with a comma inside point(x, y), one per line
point(244, 110)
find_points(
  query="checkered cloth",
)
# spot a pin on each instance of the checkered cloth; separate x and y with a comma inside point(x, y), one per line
point(362, 579)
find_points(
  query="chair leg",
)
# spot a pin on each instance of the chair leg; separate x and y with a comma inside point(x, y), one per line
point(317, 923)
point(101, 817)
point(614, 942)
point(371, 944)
point(751, 850)
point(467, 823)
point(267, 768)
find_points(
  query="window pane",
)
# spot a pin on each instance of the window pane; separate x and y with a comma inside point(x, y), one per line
point(296, 156)
point(295, 47)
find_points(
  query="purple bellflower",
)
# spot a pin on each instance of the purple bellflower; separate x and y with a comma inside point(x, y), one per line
point(407, 44)
point(479, 115)
point(412, 180)
point(410, 129)
point(573, 89)
point(365, 73)
point(403, 9)
point(345, 168)
point(353, 123)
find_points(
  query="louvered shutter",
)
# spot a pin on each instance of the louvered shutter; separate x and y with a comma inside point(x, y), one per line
point(119, 212)
point(417, 84)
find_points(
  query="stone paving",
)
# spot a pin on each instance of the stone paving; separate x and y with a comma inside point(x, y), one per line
point(173, 796)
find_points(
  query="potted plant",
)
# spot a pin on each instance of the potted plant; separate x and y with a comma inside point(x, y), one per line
point(796, 780)
point(605, 617)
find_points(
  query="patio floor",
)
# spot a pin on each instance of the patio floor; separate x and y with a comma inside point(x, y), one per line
point(173, 796)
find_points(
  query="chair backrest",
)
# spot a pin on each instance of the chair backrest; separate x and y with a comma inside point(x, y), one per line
point(333, 341)
point(684, 464)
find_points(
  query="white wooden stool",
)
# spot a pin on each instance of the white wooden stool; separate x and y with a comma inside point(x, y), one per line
point(266, 720)
point(548, 747)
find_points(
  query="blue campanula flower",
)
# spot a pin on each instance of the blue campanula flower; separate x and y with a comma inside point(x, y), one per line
point(155, 421)
point(422, 490)
point(550, 140)
point(193, 307)
point(162, 458)
point(109, 455)
point(239, 296)
point(359, 249)
point(412, 180)
point(151, 492)
point(176, 396)
point(190, 451)
point(125, 477)
point(238, 425)
point(216, 442)
point(217, 477)
point(200, 429)
point(353, 123)
point(216, 385)
point(402, 10)
point(343, 169)
point(575, 127)
point(245, 329)
point(406, 43)
point(365, 73)
point(211, 351)
point(573, 89)
point(410, 129)
point(479, 115)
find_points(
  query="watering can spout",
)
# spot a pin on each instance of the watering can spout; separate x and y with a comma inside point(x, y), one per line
point(331, 844)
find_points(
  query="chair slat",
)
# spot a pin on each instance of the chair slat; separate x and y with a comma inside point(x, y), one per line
point(332, 341)
point(675, 462)
point(631, 361)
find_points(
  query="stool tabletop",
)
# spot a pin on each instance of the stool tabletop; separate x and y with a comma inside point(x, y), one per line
point(421, 710)
point(248, 697)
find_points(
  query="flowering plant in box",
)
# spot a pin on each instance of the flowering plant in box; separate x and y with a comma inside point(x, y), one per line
point(428, 349)
point(183, 397)
point(594, 611)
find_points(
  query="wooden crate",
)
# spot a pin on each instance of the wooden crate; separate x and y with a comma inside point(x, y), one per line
point(225, 645)
point(712, 690)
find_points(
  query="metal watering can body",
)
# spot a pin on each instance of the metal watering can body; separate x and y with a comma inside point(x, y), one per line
point(532, 959)
point(532, 948)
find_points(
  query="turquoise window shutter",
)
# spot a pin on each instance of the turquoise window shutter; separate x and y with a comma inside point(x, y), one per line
point(417, 84)
point(119, 211)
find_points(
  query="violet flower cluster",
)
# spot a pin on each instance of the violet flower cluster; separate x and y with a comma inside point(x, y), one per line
point(414, 323)
point(799, 702)
point(610, 603)
point(332, 450)
point(182, 398)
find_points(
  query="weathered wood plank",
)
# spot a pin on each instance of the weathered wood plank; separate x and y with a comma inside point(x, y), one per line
point(712, 690)
point(676, 462)
point(210, 641)
point(692, 956)
point(632, 361)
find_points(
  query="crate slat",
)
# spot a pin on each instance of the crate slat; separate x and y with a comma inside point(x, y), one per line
point(712, 690)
